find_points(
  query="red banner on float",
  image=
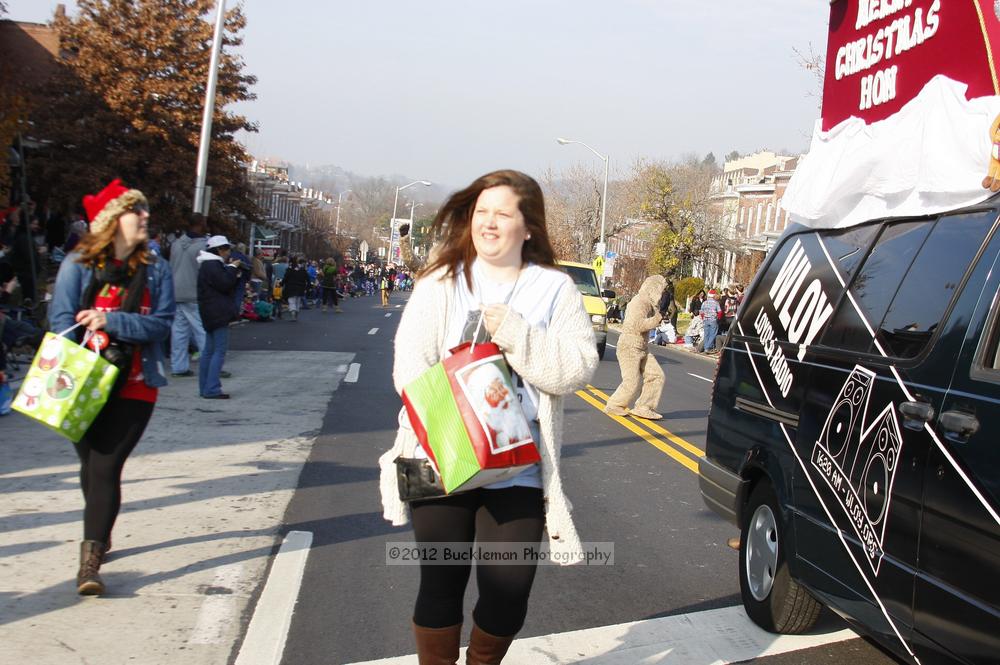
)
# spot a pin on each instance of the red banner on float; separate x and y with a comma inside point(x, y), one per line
point(881, 53)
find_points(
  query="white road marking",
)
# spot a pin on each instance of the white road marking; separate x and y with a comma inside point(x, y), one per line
point(220, 609)
point(700, 377)
point(373, 331)
point(715, 636)
point(388, 314)
point(265, 639)
point(398, 306)
point(612, 345)
point(352, 373)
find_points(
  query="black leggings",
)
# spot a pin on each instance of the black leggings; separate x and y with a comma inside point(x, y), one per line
point(509, 515)
point(330, 296)
point(103, 451)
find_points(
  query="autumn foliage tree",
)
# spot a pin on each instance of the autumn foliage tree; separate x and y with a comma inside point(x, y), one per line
point(677, 198)
point(128, 100)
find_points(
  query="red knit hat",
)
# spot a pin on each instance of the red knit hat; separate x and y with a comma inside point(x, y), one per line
point(713, 292)
point(110, 203)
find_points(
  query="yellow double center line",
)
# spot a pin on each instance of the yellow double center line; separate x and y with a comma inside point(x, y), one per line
point(649, 435)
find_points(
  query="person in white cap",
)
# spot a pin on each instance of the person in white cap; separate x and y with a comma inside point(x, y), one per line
point(217, 280)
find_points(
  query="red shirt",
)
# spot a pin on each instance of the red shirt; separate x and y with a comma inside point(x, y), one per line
point(110, 299)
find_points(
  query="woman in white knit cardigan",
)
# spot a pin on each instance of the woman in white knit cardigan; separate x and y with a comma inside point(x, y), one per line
point(495, 262)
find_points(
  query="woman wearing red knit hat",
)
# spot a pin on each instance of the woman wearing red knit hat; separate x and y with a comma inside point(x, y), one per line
point(113, 286)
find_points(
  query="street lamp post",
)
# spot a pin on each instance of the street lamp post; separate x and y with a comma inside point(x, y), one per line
point(206, 119)
point(395, 203)
point(604, 198)
point(339, 197)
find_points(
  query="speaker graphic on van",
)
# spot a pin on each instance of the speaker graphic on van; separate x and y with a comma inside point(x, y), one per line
point(858, 460)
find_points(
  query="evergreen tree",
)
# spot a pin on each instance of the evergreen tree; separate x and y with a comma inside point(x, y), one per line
point(128, 102)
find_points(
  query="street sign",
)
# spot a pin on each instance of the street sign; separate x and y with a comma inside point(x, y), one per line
point(611, 255)
point(599, 265)
point(609, 267)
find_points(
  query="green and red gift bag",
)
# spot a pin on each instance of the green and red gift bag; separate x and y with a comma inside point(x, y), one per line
point(66, 387)
point(466, 415)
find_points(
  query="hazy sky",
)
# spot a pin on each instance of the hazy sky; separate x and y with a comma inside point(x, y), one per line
point(446, 89)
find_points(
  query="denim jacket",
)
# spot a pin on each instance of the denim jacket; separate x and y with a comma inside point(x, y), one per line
point(149, 331)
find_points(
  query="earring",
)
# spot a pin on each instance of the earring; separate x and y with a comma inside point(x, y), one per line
point(527, 237)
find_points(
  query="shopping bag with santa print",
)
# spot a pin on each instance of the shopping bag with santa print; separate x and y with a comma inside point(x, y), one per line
point(466, 415)
point(67, 386)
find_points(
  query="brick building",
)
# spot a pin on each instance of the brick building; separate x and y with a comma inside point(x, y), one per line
point(746, 200)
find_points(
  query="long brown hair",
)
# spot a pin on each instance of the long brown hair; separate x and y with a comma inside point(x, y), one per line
point(454, 222)
point(97, 247)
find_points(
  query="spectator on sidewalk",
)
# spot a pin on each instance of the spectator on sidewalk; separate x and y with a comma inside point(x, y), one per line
point(665, 333)
point(694, 307)
point(711, 312)
point(294, 286)
point(728, 304)
point(187, 321)
point(239, 254)
point(113, 283)
point(217, 279)
point(278, 269)
point(258, 275)
point(695, 331)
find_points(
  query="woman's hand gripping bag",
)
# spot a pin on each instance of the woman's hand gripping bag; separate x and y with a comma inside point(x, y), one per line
point(466, 415)
point(66, 387)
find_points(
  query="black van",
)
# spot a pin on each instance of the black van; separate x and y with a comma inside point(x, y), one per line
point(849, 434)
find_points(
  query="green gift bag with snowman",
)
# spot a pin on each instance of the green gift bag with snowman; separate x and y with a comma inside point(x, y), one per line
point(67, 386)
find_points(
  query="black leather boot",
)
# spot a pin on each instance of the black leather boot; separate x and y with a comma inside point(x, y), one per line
point(88, 581)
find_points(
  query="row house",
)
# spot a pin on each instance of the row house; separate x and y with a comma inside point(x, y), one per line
point(746, 201)
point(284, 207)
point(635, 241)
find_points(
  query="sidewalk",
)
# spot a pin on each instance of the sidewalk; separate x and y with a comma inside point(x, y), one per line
point(677, 348)
point(204, 495)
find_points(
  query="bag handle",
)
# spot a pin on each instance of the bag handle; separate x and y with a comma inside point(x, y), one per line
point(88, 336)
point(482, 315)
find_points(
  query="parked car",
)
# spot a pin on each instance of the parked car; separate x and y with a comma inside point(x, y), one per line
point(585, 278)
point(850, 434)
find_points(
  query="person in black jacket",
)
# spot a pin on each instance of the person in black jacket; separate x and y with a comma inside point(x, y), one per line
point(217, 279)
point(294, 286)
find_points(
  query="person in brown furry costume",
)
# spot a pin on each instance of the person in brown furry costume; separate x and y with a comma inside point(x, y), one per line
point(637, 366)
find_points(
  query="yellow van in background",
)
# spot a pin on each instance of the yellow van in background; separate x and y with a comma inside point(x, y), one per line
point(585, 278)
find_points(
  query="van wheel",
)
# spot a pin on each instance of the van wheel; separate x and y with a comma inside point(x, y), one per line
point(772, 599)
point(600, 350)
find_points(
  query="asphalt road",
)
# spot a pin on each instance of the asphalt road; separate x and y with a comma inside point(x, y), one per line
point(670, 551)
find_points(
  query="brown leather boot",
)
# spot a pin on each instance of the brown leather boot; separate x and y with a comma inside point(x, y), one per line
point(486, 649)
point(88, 582)
point(437, 646)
